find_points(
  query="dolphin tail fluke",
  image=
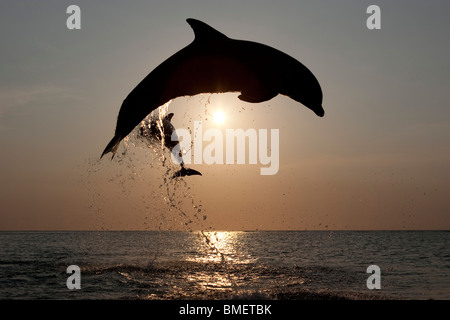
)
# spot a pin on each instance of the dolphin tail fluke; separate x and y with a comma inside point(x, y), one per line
point(112, 146)
point(186, 172)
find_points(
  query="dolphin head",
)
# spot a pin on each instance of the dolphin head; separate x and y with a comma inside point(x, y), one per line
point(301, 85)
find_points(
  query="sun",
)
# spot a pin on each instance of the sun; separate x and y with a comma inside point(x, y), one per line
point(219, 117)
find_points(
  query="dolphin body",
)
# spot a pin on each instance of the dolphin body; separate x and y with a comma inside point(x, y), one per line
point(150, 130)
point(214, 63)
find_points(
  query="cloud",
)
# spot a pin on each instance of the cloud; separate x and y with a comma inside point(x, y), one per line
point(19, 97)
point(24, 100)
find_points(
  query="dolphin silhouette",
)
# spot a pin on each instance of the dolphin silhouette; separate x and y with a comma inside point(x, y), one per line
point(214, 63)
point(152, 130)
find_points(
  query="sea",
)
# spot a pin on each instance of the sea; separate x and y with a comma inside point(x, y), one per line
point(224, 265)
point(215, 265)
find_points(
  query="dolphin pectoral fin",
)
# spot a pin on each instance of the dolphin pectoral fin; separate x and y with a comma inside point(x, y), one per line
point(112, 146)
point(256, 98)
point(186, 172)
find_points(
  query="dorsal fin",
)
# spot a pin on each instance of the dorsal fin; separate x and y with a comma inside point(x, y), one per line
point(204, 32)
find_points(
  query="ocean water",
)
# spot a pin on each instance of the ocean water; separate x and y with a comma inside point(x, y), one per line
point(265, 265)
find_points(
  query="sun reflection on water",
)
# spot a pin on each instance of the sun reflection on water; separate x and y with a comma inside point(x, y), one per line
point(217, 263)
point(223, 247)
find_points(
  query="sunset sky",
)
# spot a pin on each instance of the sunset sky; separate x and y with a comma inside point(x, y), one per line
point(379, 159)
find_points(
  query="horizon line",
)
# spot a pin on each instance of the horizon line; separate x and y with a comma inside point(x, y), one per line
point(220, 230)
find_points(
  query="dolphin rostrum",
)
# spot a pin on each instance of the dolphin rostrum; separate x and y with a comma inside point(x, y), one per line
point(214, 63)
point(151, 129)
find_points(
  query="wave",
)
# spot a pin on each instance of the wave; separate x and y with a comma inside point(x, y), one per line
point(192, 280)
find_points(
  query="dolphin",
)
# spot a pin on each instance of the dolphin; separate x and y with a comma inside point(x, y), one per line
point(152, 130)
point(214, 63)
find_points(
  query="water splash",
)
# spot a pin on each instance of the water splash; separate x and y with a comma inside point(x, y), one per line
point(132, 171)
point(165, 203)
